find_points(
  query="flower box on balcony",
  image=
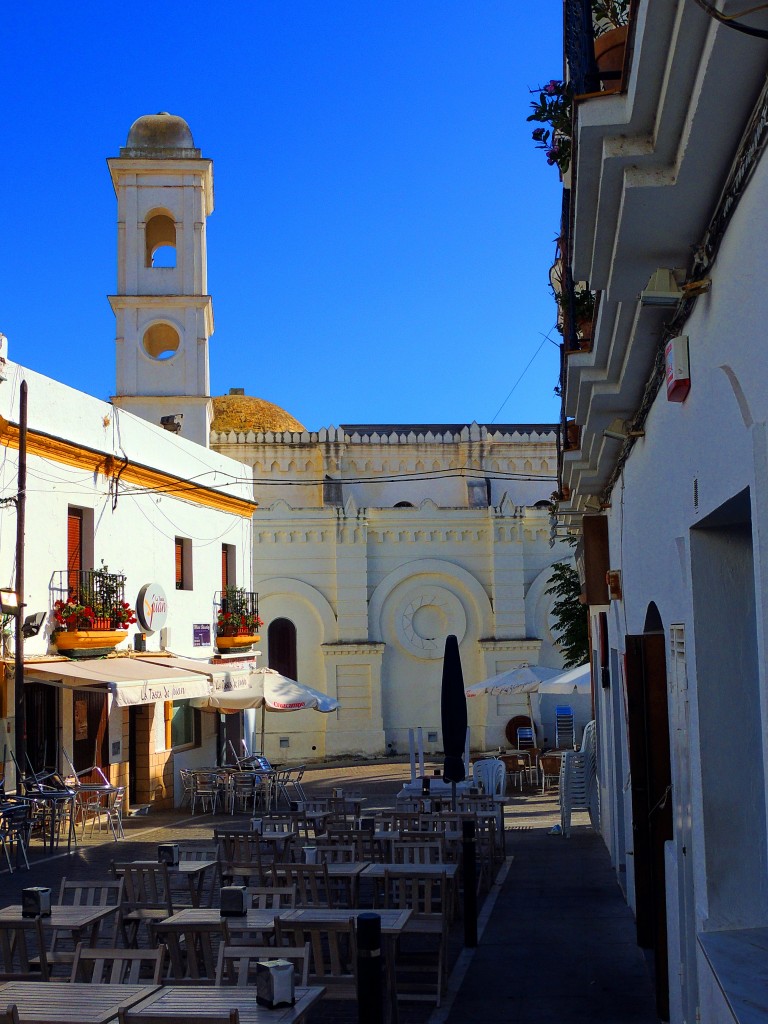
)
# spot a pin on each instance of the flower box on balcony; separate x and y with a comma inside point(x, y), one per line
point(88, 643)
point(237, 641)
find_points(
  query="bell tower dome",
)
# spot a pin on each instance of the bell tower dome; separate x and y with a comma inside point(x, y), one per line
point(164, 315)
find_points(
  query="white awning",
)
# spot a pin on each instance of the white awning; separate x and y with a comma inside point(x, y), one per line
point(130, 680)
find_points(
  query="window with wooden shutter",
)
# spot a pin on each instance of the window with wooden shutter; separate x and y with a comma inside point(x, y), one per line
point(179, 543)
point(74, 550)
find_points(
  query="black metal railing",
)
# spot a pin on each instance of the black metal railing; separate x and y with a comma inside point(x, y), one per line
point(237, 611)
point(583, 72)
point(88, 598)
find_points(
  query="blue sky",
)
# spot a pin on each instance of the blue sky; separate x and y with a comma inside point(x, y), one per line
point(384, 226)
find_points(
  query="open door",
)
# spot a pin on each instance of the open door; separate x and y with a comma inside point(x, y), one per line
point(649, 762)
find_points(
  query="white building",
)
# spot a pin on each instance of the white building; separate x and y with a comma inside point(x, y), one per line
point(669, 219)
point(107, 489)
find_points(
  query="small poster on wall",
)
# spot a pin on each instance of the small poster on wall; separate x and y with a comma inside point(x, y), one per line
point(201, 635)
point(81, 720)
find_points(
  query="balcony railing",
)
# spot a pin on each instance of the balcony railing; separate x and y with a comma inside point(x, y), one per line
point(99, 593)
point(237, 612)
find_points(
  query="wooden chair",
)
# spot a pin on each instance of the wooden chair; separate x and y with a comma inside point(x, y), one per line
point(147, 896)
point(118, 966)
point(132, 1016)
point(335, 853)
point(427, 897)
point(23, 956)
point(106, 892)
point(272, 897)
point(237, 964)
point(192, 949)
point(313, 888)
point(240, 856)
point(549, 769)
point(334, 953)
point(190, 852)
point(410, 851)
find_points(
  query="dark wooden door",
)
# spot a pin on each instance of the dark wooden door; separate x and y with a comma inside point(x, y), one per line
point(42, 725)
point(90, 735)
point(281, 647)
point(649, 763)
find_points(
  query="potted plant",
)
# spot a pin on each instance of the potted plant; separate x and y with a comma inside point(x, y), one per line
point(554, 108)
point(609, 23)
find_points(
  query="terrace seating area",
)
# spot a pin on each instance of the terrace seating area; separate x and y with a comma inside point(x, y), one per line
point(341, 856)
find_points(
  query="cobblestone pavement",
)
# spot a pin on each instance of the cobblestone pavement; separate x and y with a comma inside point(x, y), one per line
point(556, 939)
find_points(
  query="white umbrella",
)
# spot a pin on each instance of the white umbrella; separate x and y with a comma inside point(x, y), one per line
point(574, 680)
point(525, 679)
point(267, 689)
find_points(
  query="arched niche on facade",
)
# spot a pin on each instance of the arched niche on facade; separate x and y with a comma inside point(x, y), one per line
point(418, 604)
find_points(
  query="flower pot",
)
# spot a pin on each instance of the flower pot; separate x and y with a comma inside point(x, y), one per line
point(88, 643)
point(609, 54)
point(237, 642)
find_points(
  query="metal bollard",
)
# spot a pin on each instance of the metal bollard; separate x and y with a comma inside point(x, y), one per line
point(370, 1003)
point(469, 845)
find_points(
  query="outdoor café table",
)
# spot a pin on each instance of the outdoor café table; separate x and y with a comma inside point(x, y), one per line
point(78, 1002)
point(193, 871)
point(392, 924)
point(251, 921)
point(191, 1001)
point(81, 921)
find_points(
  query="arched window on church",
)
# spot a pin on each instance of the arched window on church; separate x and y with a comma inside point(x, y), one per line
point(281, 647)
point(160, 237)
point(404, 504)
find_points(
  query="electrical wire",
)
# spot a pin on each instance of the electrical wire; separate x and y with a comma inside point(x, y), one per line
point(527, 367)
point(728, 19)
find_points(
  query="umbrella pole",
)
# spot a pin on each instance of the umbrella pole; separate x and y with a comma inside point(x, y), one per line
point(263, 715)
point(453, 798)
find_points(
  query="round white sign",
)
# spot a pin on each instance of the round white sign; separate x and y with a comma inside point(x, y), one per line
point(152, 607)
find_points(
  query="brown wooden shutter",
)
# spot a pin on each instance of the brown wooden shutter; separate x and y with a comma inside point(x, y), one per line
point(74, 541)
point(224, 569)
point(179, 563)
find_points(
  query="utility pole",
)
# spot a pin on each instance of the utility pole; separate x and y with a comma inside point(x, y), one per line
point(21, 500)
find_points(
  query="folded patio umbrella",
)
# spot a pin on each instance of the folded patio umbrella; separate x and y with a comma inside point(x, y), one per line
point(453, 712)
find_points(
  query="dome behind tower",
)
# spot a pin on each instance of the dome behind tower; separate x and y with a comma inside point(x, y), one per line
point(242, 413)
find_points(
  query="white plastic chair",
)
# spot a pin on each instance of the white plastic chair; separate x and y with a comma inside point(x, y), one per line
point(491, 774)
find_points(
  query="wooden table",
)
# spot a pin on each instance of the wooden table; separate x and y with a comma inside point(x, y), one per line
point(196, 1000)
point(75, 1003)
point(82, 921)
point(392, 924)
point(252, 921)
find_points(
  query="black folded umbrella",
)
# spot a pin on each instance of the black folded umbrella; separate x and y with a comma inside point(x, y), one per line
point(453, 712)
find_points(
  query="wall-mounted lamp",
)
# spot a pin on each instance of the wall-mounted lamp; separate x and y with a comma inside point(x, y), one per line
point(662, 289)
point(593, 504)
point(9, 602)
point(613, 579)
point(33, 624)
point(619, 430)
point(172, 423)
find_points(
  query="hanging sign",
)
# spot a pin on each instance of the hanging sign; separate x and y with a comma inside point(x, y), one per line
point(152, 607)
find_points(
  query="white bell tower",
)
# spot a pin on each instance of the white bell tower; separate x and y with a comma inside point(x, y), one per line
point(164, 316)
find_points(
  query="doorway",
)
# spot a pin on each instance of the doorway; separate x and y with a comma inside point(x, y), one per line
point(281, 647)
point(90, 736)
point(42, 720)
point(651, 792)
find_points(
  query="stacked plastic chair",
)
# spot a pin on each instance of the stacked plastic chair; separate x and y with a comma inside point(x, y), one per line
point(578, 782)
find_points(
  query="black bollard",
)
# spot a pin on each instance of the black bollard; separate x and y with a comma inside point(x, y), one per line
point(370, 1002)
point(469, 853)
